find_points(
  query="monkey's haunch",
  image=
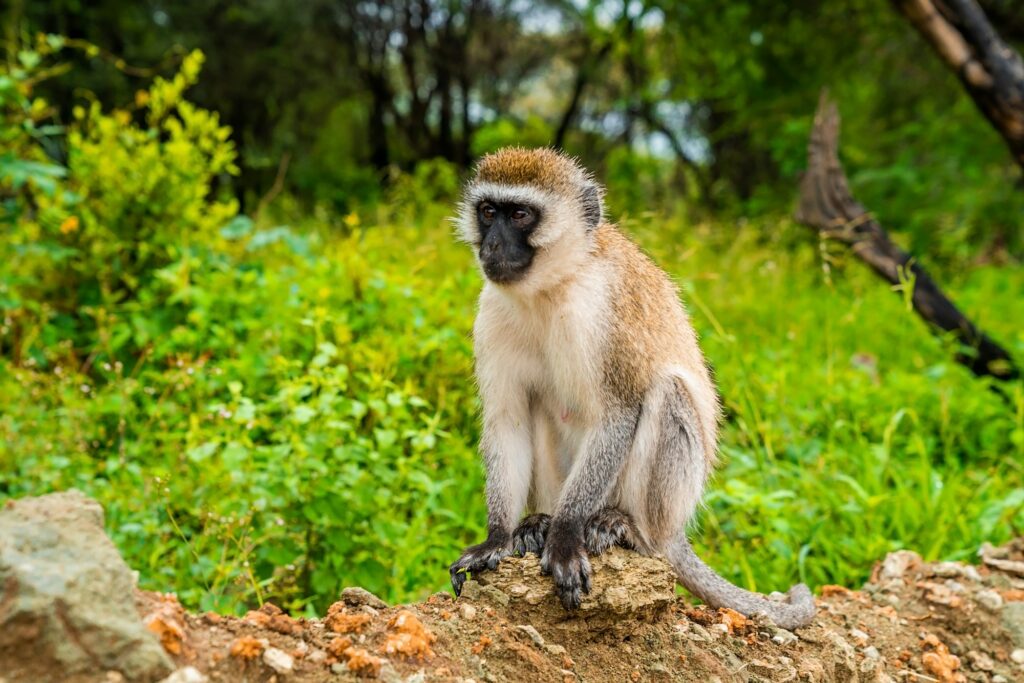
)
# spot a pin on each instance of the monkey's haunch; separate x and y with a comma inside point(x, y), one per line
point(706, 584)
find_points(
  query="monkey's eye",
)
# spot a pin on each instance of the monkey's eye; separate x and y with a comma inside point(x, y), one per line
point(487, 212)
point(521, 215)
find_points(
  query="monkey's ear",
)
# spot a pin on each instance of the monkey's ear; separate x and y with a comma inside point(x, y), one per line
point(592, 205)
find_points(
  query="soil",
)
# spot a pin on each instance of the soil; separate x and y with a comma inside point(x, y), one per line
point(914, 621)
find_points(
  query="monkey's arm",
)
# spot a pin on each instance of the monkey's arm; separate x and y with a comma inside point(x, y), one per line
point(585, 492)
point(507, 452)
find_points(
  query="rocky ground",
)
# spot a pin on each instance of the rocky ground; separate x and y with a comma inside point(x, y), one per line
point(67, 614)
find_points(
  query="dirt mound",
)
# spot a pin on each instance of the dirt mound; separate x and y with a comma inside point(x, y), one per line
point(913, 621)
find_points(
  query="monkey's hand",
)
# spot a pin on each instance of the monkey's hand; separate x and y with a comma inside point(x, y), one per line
point(565, 559)
point(477, 558)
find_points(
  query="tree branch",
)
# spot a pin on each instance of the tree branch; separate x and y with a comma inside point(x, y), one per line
point(827, 205)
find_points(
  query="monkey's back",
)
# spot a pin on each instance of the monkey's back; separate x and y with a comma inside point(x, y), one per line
point(651, 336)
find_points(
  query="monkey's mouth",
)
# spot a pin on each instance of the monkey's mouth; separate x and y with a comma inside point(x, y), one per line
point(506, 272)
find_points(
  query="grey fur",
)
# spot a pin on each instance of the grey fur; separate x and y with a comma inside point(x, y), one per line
point(702, 581)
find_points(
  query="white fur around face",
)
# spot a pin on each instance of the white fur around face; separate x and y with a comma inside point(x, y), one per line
point(561, 240)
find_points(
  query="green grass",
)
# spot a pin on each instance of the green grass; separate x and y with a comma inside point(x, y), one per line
point(310, 420)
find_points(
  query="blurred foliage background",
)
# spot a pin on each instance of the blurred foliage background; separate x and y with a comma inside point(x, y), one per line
point(234, 313)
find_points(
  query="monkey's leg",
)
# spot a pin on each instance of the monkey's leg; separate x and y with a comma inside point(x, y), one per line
point(530, 534)
point(506, 448)
point(680, 464)
point(586, 491)
point(607, 528)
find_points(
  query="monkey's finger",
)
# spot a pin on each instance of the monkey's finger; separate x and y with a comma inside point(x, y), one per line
point(458, 577)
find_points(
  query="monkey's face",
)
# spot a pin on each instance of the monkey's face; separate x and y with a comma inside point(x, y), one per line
point(505, 227)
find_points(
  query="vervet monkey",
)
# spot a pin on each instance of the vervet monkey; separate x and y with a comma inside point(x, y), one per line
point(599, 412)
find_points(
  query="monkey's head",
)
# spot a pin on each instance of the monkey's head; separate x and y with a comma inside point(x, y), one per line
point(529, 215)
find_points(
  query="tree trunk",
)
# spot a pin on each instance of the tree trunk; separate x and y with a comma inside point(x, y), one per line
point(827, 205)
point(991, 71)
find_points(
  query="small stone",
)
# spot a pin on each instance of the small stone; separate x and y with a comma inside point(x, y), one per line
point(467, 612)
point(1013, 622)
point(859, 637)
point(871, 652)
point(518, 590)
point(470, 590)
point(189, 674)
point(946, 570)
point(896, 564)
point(990, 600)
point(615, 562)
point(418, 677)
point(535, 597)
point(719, 629)
point(567, 673)
point(278, 660)
point(700, 634)
point(781, 636)
point(1000, 679)
point(338, 668)
point(494, 595)
point(356, 596)
point(535, 636)
point(1017, 656)
point(980, 661)
point(317, 656)
point(553, 649)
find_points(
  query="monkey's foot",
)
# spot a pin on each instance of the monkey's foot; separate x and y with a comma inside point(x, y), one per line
point(607, 528)
point(530, 534)
point(477, 558)
point(565, 559)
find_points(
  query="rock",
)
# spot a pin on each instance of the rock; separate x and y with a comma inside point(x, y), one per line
point(467, 612)
point(1013, 621)
point(979, 661)
point(189, 674)
point(553, 649)
point(781, 636)
point(278, 660)
point(990, 600)
point(355, 596)
point(66, 596)
point(1017, 656)
point(626, 587)
point(534, 635)
point(896, 564)
point(844, 657)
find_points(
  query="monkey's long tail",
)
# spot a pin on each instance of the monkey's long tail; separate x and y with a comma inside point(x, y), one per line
point(706, 584)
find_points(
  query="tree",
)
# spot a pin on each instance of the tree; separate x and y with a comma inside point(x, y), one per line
point(991, 71)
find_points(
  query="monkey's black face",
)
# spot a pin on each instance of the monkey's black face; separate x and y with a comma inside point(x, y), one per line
point(505, 252)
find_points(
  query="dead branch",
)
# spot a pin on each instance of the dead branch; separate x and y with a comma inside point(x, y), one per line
point(827, 206)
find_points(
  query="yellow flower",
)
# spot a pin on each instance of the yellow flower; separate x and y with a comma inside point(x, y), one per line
point(352, 220)
point(69, 225)
point(324, 292)
point(141, 98)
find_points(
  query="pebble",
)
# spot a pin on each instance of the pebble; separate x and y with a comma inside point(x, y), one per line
point(355, 596)
point(467, 612)
point(1017, 656)
point(781, 636)
point(699, 634)
point(189, 674)
point(278, 660)
point(990, 600)
point(535, 636)
point(1000, 679)
point(980, 661)
point(859, 636)
point(719, 629)
point(554, 649)
point(338, 668)
point(871, 652)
